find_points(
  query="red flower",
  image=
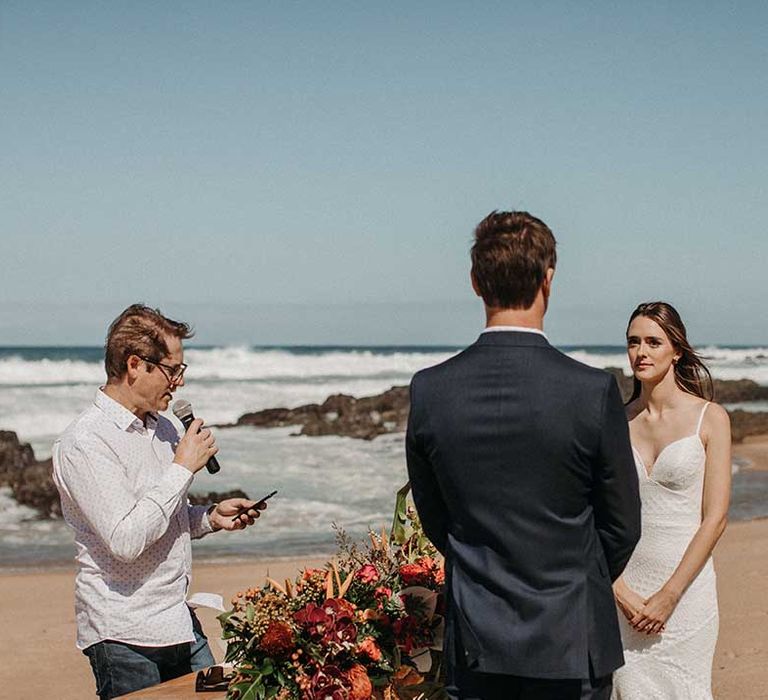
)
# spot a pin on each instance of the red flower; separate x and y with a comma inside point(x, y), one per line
point(361, 688)
point(382, 592)
point(367, 574)
point(277, 640)
point(328, 683)
point(423, 572)
point(412, 574)
point(369, 648)
point(313, 619)
point(339, 609)
point(333, 622)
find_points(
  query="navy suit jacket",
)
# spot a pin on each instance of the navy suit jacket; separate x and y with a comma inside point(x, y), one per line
point(523, 476)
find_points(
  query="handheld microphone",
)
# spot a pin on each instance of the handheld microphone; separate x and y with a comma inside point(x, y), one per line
point(183, 411)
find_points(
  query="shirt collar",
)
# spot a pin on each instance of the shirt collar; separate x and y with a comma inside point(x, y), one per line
point(120, 415)
point(518, 329)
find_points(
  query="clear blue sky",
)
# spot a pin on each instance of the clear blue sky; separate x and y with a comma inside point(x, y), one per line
point(312, 171)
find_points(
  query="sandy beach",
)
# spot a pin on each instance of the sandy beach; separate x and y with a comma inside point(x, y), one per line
point(754, 450)
point(37, 620)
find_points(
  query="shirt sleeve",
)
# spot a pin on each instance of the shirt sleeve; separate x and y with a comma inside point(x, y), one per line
point(199, 523)
point(95, 481)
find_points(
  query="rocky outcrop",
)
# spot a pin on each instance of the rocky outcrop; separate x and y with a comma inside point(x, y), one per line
point(340, 414)
point(746, 423)
point(738, 390)
point(13, 454)
point(30, 481)
point(33, 486)
point(368, 417)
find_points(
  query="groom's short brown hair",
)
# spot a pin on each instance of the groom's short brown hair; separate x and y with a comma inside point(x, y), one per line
point(140, 331)
point(510, 258)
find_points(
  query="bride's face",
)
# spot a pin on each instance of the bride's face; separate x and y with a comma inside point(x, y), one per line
point(651, 353)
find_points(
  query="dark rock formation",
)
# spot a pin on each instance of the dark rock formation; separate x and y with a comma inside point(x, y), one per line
point(201, 499)
point(13, 454)
point(746, 423)
point(340, 414)
point(368, 417)
point(30, 481)
point(33, 486)
point(738, 390)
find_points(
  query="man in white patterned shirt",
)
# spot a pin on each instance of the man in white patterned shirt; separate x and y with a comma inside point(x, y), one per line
point(123, 474)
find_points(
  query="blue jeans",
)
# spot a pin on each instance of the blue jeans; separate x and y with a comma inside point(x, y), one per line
point(121, 668)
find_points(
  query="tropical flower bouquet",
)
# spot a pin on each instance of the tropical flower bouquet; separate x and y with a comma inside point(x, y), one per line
point(368, 625)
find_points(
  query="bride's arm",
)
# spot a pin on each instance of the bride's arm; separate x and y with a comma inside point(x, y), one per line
point(714, 509)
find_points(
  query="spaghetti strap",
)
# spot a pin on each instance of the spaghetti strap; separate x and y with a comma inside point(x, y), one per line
point(701, 417)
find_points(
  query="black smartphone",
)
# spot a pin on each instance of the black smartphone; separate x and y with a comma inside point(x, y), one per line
point(261, 500)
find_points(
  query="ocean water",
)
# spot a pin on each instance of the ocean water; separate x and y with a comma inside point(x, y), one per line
point(321, 480)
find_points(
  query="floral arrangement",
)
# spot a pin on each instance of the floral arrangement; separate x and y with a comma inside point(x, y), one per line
point(368, 625)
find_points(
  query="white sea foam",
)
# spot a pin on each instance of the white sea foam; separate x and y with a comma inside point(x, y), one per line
point(12, 514)
point(601, 360)
point(15, 370)
point(245, 363)
point(749, 356)
point(232, 363)
point(248, 364)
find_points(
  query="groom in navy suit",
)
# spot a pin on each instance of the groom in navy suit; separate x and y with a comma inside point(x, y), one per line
point(523, 476)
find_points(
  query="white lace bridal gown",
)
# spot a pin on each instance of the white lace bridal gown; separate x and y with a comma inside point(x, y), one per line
point(676, 664)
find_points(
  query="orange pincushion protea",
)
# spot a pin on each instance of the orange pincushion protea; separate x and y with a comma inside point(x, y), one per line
point(360, 684)
point(278, 639)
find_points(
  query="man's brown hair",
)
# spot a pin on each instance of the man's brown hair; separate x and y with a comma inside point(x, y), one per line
point(510, 258)
point(139, 331)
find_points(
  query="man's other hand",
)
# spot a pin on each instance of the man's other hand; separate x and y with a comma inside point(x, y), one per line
point(196, 447)
point(222, 517)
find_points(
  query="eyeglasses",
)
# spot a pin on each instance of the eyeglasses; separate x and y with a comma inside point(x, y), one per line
point(173, 373)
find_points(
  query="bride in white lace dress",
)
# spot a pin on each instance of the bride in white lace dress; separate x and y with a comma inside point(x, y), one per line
point(681, 441)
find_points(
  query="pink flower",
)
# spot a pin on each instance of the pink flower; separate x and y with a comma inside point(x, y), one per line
point(368, 574)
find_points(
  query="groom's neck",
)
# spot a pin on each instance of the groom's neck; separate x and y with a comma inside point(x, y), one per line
point(524, 318)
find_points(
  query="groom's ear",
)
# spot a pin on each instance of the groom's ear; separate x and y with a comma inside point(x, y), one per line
point(546, 285)
point(475, 286)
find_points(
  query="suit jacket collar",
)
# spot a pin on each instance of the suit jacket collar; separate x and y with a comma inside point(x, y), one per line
point(520, 338)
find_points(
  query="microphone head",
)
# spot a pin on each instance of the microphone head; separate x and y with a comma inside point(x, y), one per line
point(182, 409)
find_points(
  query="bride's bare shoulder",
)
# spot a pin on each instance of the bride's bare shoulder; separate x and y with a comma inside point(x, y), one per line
point(716, 418)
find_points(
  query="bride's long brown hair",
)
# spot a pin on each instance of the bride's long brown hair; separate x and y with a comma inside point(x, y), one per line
point(691, 374)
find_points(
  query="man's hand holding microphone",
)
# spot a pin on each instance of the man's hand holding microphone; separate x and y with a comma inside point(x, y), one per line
point(197, 449)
